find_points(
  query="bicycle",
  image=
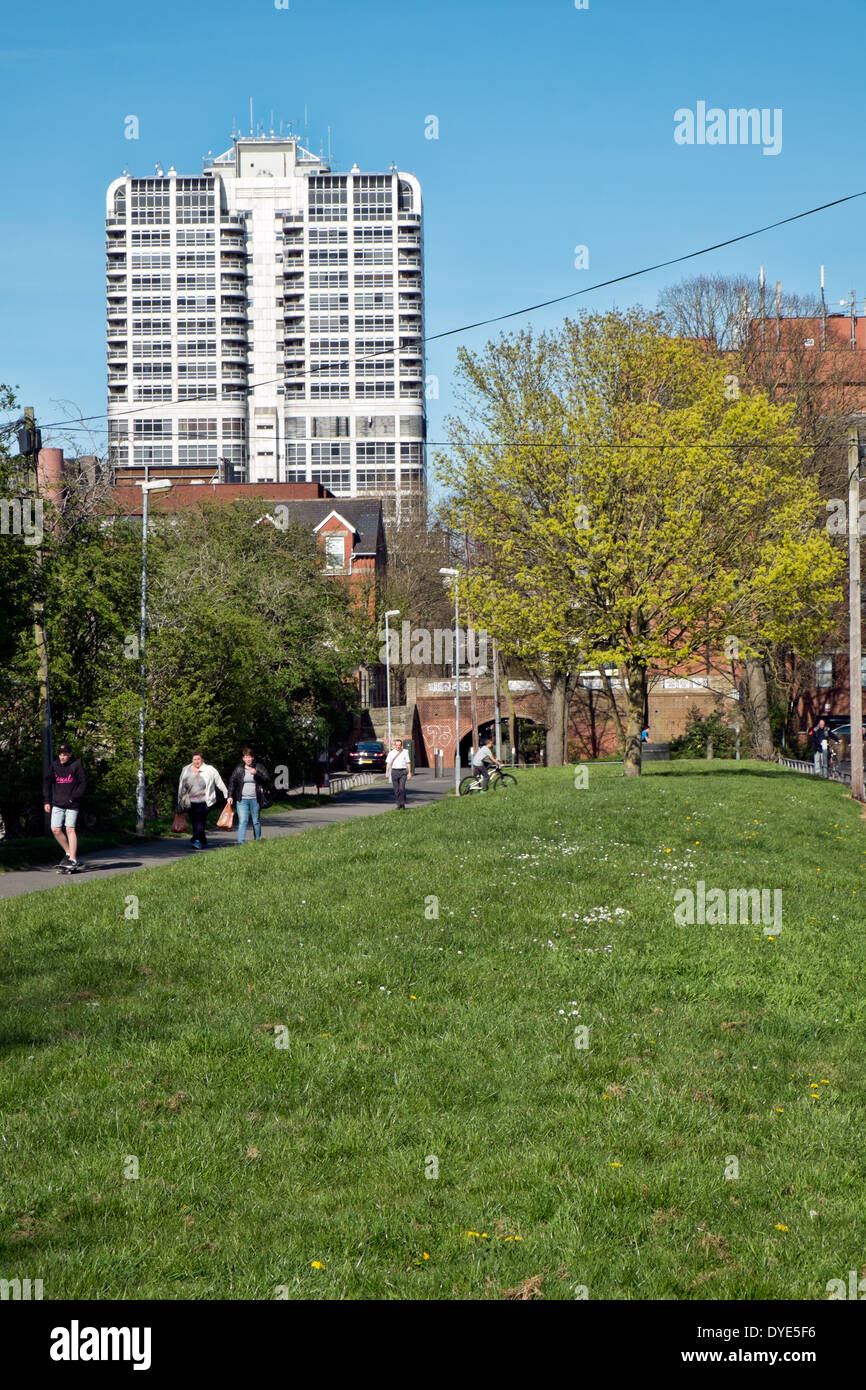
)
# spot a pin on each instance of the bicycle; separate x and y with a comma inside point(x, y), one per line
point(498, 779)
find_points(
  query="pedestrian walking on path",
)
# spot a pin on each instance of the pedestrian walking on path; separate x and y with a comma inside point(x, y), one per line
point(196, 793)
point(62, 790)
point(397, 769)
point(249, 791)
point(821, 737)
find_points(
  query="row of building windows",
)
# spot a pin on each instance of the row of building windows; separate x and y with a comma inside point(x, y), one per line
point(192, 392)
point(380, 452)
point(380, 390)
point(192, 428)
point(184, 236)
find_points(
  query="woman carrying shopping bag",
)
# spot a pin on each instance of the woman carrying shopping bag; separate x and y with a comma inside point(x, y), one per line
point(196, 793)
point(249, 790)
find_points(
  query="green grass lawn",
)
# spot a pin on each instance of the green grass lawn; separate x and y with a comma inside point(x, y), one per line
point(417, 1044)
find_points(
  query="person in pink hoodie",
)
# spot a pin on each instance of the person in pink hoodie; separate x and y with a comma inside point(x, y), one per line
point(62, 790)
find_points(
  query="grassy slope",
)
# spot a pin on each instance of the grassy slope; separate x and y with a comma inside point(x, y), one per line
point(411, 1037)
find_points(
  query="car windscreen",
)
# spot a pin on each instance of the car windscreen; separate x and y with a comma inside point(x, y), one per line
point(370, 748)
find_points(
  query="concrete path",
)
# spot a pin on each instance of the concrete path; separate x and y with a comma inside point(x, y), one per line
point(372, 800)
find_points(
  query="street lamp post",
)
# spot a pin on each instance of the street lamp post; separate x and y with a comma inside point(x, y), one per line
point(392, 613)
point(455, 575)
point(146, 488)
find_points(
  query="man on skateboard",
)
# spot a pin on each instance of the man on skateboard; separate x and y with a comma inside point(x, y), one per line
point(62, 790)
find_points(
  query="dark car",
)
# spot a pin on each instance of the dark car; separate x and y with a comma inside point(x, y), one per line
point(368, 757)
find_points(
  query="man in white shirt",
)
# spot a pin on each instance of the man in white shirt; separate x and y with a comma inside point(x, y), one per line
point(481, 761)
point(397, 769)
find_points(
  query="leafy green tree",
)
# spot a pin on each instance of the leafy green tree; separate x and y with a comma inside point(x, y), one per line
point(248, 641)
point(627, 509)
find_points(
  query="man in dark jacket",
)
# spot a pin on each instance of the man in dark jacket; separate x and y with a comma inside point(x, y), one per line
point(249, 790)
point(62, 790)
point(821, 736)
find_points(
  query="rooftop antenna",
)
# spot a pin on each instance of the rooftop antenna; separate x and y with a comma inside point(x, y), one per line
point(251, 115)
point(306, 129)
point(272, 125)
point(329, 147)
point(853, 319)
point(823, 314)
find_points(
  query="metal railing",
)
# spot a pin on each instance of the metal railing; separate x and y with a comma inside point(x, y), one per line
point(837, 774)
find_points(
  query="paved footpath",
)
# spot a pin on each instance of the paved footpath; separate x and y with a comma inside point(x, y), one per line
point(372, 800)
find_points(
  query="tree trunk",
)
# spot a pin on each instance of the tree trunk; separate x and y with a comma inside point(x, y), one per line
point(757, 708)
point(635, 705)
point(557, 719)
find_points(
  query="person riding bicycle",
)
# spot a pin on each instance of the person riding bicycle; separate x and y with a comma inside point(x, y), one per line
point(481, 760)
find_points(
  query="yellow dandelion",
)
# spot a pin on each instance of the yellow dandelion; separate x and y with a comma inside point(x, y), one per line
point(780, 1227)
point(316, 1264)
point(413, 996)
point(425, 1256)
point(779, 1110)
point(473, 1233)
point(616, 1165)
point(824, 1081)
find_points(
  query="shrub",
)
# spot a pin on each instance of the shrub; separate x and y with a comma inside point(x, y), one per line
point(693, 743)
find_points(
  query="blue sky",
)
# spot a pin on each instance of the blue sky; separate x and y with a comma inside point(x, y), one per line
point(555, 129)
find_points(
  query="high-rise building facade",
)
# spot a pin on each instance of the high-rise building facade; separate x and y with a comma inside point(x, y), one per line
point(266, 323)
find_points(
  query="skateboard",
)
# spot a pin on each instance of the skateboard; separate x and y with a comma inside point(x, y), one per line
point(70, 868)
